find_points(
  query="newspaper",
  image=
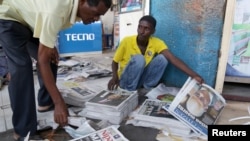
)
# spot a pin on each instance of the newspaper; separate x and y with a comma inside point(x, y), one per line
point(74, 94)
point(110, 133)
point(152, 111)
point(113, 100)
point(96, 73)
point(197, 105)
point(113, 106)
point(163, 93)
point(151, 114)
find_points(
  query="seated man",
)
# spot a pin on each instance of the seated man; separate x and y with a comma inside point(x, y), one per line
point(140, 60)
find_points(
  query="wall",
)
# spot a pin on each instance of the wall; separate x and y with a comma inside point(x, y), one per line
point(129, 22)
point(192, 29)
point(108, 21)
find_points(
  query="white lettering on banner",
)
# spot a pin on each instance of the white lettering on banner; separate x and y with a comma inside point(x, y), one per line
point(80, 36)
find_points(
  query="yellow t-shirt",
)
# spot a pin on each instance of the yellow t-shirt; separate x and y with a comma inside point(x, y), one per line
point(44, 17)
point(128, 47)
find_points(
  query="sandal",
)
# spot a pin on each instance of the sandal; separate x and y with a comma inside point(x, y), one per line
point(35, 137)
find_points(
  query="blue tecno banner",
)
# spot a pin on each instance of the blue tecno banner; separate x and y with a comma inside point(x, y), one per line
point(80, 39)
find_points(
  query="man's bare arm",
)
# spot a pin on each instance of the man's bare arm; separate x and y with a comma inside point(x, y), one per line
point(46, 56)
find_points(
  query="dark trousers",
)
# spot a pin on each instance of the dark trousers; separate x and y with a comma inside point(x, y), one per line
point(19, 46)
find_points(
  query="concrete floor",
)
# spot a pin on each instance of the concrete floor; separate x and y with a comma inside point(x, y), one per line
point(233, 109)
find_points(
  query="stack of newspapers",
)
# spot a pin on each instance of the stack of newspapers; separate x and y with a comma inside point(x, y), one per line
point(110, 133)
point(112, 106)
point(151, 114)
point(77, 95)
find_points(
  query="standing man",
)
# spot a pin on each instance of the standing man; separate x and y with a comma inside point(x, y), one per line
point(140, 60)
point(29, 28)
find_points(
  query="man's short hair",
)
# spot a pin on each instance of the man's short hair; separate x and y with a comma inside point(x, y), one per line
point(107, 3)
point(149, 19)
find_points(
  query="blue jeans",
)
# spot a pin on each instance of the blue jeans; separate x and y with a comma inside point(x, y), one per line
point(19, 46)
point(136, 75)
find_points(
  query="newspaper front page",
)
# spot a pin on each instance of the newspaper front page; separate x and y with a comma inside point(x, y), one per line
point(197, 105)
point(110, 133)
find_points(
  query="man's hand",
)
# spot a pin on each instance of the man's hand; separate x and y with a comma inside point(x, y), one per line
point(61, 114)
point(199, 79)
point(113, 83)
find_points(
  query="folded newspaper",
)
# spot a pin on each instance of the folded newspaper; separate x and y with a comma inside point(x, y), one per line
point(77, 96)
point(197, 105)
point(111, 100)
point(151, 114)
point(110, 133)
